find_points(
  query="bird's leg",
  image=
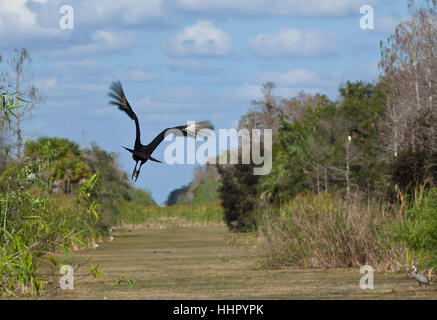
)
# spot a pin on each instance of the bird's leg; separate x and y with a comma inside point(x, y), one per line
point(135, 170)
point(139, 169)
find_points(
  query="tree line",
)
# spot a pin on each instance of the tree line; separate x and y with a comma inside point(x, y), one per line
point(378, 138)
point(354, 179)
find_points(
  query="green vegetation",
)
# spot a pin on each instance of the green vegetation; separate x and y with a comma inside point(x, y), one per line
point(343, 190)
point(176, 196)
point(54, 199)
point(418, 227)
point(353, 182)
point(68, 166)
point(36, 225)
point(330, 199)
point(206, 192)
point(179, 215)
point(238, 195)
point(72, 166)
point(204, 188)
point(58, 199)
point(325, 230)
point(122, 281)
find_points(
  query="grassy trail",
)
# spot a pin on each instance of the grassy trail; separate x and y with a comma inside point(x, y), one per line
point(200, 263)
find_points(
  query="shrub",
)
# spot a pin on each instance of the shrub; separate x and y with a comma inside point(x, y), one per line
point(418, 228)
point(68, 164)
point(202, 189)
point(327, 231)
point(176, 195)
point(414, 167)
point(238, 195)
point(34, 224)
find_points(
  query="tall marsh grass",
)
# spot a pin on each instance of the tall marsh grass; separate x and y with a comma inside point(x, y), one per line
point(326, 230)
point(179, 215)
point(417, 227)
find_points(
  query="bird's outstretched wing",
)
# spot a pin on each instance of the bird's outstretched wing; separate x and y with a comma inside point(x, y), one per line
point(117, 93)
point(187, 130)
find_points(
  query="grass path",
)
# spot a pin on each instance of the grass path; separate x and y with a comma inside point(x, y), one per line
point(200, 263)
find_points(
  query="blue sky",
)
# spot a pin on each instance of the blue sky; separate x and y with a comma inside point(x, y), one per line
point(182, 60)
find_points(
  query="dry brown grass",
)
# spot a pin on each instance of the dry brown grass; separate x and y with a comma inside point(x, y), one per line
point(326, 231)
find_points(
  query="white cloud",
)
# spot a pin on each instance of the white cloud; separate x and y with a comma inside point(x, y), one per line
point(368, 71)
point(136, 75)
point(17, 17)
point(386, 24)
point(78, 87)
point(288, 84)
point(183, 64)
point(72, 65)
point(102, 41)
point(59, 92)
point(185, 94)
point(201, 39)
point(189, 66)
point(247, 92)
point(293, 43)
point(17, 10)
point(293, 92)
point(125, 11)
point(39, 19)
point(149, 105)
point(332, 8)
point(294, 77)
point(46, 83)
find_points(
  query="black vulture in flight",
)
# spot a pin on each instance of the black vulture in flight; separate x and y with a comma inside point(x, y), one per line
point(141, 153)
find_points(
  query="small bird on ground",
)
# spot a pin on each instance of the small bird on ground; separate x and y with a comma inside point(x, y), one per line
point(141, 153)
point(420, 277)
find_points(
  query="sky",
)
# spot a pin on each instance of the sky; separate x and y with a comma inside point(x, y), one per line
point(183, 60)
